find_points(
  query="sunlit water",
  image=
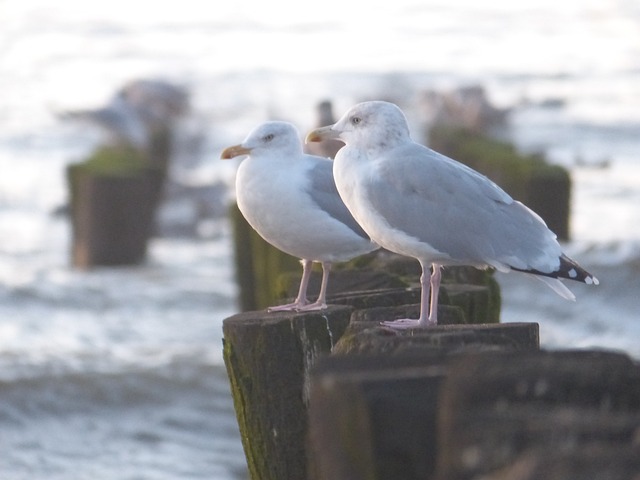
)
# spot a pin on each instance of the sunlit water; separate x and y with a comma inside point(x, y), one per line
point(117, 372)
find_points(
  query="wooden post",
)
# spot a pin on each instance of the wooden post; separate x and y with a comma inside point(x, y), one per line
point(373, 412)
point(504, 413)
point(550, 196)
point(113, 198)
point(112, 217)
point(268, 356)
point(373, 417)
point(367, 337)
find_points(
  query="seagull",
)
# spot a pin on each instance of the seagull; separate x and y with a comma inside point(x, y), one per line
point(119, 120)
point(137, 111)
point(290, 199)
point(419, 203)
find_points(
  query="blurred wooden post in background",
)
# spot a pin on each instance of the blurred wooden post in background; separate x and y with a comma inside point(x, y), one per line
point(114, 197)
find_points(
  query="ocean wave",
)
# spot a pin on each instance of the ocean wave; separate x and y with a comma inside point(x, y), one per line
point(169, 421)
point(618, 253)
point(60, 390)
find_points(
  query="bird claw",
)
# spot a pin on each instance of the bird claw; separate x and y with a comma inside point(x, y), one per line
point(298, 307)
point(289, 307)
point(312, 307)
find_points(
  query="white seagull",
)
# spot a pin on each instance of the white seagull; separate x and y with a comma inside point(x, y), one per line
point(290, 199)
point(416, 202)
point(136, 112)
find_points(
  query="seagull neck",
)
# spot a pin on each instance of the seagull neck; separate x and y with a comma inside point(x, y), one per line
point(383, 143)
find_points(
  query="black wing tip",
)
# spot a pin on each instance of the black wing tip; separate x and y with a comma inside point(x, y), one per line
point(569, 269)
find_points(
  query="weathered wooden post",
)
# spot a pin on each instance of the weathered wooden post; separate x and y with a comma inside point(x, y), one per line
point(373, 416)
point(113, 199)
point(268, 356)
point(374, 403)
point(502, 415)
point(549, 194)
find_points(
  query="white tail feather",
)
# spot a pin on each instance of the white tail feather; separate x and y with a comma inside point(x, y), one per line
point(558, 287)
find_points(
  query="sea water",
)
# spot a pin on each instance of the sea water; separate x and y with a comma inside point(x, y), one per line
point(117, 372)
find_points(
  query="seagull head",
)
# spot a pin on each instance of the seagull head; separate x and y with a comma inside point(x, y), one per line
point(368, 125)
point(280, 138)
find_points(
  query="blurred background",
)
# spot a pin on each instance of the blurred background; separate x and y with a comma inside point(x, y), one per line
point(116, 372)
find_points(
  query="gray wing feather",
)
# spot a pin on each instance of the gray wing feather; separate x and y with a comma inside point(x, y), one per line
point(323, 191)
point(457, 210)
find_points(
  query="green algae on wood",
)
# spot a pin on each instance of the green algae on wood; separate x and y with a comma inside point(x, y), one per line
point(113, 198)
point(114, 161)
point(268, 356)
point(480, 305)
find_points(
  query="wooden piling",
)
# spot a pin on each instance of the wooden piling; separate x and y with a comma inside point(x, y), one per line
point(368, 337)
point(501, 411)
point(585, 462)
point(113, 218)
point(374, 404)
point(373, 417)
point(268, 356)
point(113, 199)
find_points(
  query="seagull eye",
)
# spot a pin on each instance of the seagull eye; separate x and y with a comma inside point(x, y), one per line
point(268, 138)
point(356, 120)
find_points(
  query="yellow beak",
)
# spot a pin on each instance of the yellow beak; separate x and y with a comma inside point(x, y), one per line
point(320, 134)
point(234, 151)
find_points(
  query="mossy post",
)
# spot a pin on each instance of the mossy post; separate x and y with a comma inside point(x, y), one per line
point(475, 412)
point(268, 356)
point(113, 199)
point(550, 196)
point(374, 403)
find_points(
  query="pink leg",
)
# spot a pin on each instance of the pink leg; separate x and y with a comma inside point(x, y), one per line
point(425, 320)
point(435, 289)
point(321, 303)
point(301, 299)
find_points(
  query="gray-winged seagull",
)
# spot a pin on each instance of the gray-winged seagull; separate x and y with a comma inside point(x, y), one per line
point(290, 199)
point(416, 202)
